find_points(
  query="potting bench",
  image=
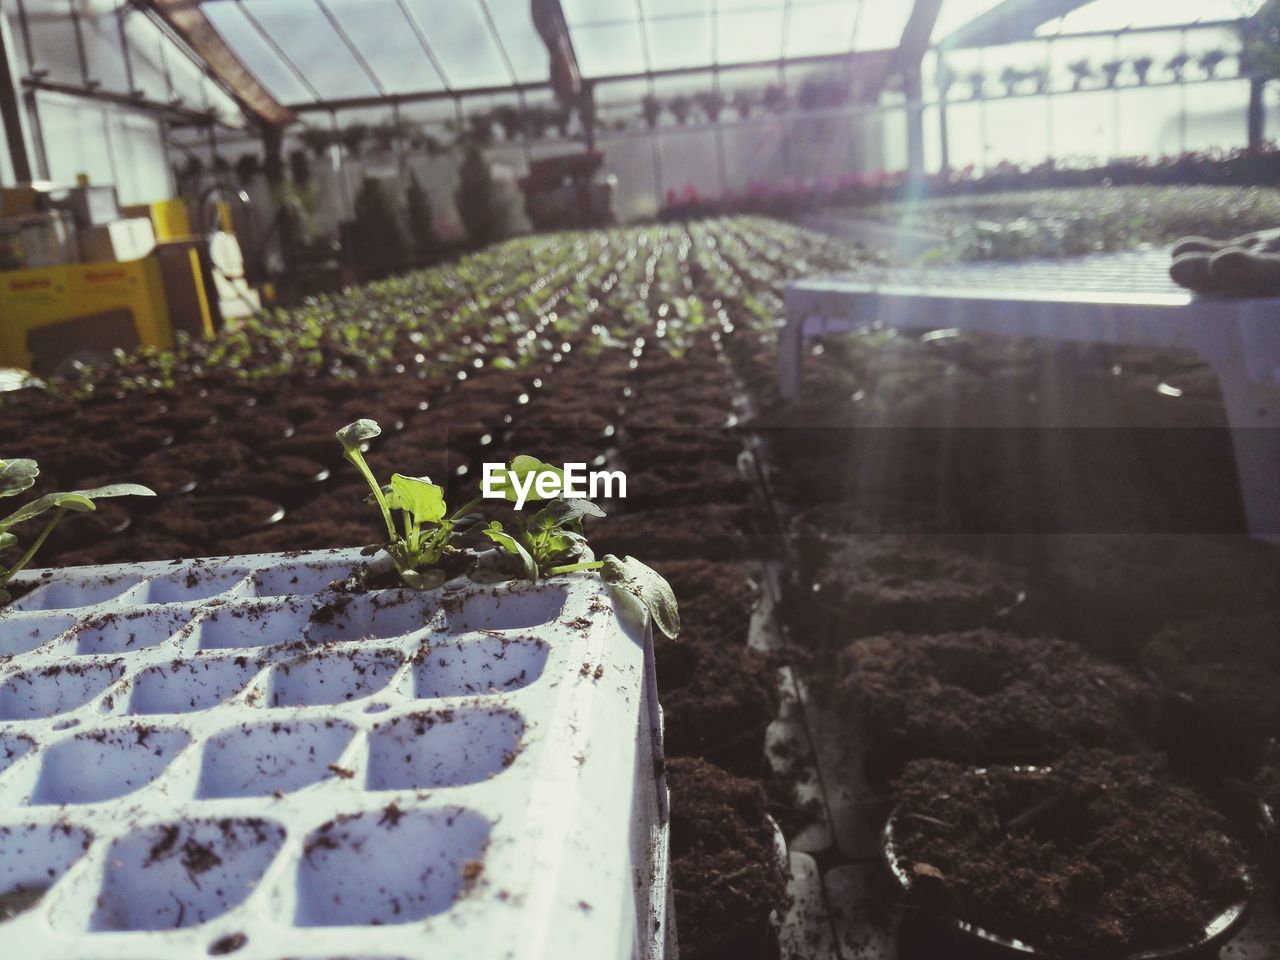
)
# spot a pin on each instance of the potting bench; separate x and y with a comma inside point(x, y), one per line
point(1120, 298)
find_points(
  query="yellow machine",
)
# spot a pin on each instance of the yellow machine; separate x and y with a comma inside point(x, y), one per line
point(88, 304)
point(50, 314)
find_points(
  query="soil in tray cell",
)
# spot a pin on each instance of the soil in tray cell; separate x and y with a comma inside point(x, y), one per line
point(1113, 592)
point(1221, 675)
point(1101, 857)
point(717, 699)
point(989, 697)
point(873, 585)
point(724, 864)
point(716, 599)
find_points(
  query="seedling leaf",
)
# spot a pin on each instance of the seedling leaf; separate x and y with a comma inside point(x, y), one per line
point(520, 469)
point(354, 434)
point(17, 476)
point(419, 496)
point(646, 584)
point(561, 512)
point(117, 490)
point(509, 543)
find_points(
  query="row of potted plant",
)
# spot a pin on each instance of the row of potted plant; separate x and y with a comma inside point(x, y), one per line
point(1108, 74)
point(789, 198)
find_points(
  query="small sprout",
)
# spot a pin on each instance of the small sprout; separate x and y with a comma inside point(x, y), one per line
point(18, 476)
point(422, 541)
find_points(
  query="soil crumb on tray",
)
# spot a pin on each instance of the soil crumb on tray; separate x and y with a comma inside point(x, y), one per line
point(1099, 857)
point(988, 697)
point(726, 874)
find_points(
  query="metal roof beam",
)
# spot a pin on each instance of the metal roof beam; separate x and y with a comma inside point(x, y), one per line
point(188, 21)
point(548, 20)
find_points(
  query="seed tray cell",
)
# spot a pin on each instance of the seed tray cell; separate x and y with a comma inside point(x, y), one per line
point(236, 757)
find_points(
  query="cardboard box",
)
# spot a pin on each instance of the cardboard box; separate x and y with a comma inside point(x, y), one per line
point(40, 240)
point(91, 206)
point(24, 199)
point(183, 268)
point(116, 242)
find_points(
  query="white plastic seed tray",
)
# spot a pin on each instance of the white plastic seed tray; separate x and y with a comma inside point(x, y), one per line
point(225, 757)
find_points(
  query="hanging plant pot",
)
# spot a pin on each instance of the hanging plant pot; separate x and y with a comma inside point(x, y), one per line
point(1099, 856)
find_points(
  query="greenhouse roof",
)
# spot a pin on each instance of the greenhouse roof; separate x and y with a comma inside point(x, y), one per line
point(314, 51)
point(313, 54)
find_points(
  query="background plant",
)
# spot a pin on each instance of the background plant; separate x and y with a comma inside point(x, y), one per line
point(18, 476)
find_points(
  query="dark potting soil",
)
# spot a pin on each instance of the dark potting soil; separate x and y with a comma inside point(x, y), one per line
point(1228, 666)
point(209, 520)
point(1112, 592)
point(880, 584)
point(716, 599)
point(1102, 856)
point(990, 697)
point(651, 487)
point(712, 532)
point(717, 700)
point(724, 867)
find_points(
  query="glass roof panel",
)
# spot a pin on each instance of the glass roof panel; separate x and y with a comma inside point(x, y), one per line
point(386, 40)
point(1121, 14)
point(956, 13)
point(749, 35)
point(243, 38)
point(604, 50)
point(581, 13)
point(462, 42)
point(529, 57)
point(310, 41)
point(820, 28)
point(679, 41)
point(880, 24)
point(656, 9)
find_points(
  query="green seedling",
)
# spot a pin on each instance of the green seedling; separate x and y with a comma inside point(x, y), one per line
point(423, 540)
point(18, 476)
point(552, 542)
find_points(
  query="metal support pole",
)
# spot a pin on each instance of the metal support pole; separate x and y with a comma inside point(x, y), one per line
point(402, 162)
point(130, 83)
point(944, 80)
point(347, 206)
point(11, 111)
point(83, 58)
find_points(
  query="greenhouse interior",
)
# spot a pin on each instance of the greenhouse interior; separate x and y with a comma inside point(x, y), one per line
point(640, 479)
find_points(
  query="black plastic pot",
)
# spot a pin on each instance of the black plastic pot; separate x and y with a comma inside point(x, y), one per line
point(927, 927)
point(1204, 744)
